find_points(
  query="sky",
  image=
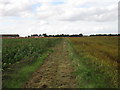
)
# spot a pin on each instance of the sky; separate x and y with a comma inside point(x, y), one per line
point(26, 17)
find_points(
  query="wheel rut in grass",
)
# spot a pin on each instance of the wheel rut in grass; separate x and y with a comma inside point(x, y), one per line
point(55, 72)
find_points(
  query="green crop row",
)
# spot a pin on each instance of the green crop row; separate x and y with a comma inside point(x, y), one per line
point(22, 57)
point(14, 50)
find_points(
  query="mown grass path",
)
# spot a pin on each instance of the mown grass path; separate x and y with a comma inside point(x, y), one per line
point(56, 71)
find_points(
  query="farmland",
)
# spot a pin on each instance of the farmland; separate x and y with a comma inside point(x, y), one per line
point(96, 61)
point(23, 56)
point(82, 62)
point(15, 50)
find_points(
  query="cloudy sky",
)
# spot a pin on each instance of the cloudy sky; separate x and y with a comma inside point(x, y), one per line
point(27, 17)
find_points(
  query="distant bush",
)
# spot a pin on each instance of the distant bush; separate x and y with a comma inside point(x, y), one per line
point(106, 35)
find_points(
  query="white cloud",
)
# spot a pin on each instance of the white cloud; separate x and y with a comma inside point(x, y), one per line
point(72, 16)
point(14, 7)
point(70, 10)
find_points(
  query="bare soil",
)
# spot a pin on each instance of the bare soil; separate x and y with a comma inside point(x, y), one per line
point(55, 72)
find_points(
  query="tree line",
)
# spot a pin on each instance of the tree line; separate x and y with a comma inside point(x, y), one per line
point(10, 35)
point(58, 35)
point(67, 35)
point(106, 35)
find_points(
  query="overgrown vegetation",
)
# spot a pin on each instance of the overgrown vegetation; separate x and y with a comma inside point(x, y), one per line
point(15, 50)
point(96, 61)
point(21, 57)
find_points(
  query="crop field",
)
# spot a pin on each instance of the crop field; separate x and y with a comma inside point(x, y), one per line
point(15, 50)
point(24, 55)
point(97, 61)
point(81, 62)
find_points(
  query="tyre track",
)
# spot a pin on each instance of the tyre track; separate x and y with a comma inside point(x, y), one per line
point(56, 71)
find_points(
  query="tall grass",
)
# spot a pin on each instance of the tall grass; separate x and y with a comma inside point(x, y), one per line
point(97, 61)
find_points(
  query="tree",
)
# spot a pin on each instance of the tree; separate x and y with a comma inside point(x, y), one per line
point(40, 35)
point(80, 35)
point(34, 35)
point(45, 35)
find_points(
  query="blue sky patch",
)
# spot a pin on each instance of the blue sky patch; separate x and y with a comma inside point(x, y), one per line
point(33, 8)
point(57, 2)
point(84, 6)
